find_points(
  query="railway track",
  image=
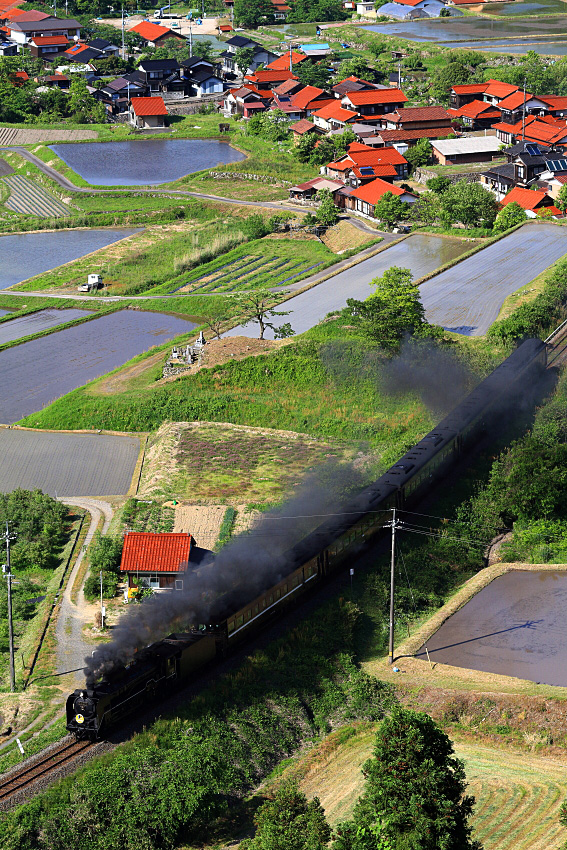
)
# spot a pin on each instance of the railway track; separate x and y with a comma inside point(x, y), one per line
point(27, 774)
point(557, 346)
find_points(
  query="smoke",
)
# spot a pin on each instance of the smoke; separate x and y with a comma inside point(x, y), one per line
point(436, 374)
point(249, 565)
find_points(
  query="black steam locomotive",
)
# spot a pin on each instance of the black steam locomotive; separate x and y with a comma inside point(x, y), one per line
point(94, 709)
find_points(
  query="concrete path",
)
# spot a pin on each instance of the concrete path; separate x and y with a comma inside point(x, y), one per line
point(72, 649)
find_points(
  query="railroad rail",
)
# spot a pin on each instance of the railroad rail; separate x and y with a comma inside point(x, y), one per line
point(557, 345)
point(28, 774)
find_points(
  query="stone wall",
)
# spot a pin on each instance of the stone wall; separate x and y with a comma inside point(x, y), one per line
point(422, 175)
point(241, 175)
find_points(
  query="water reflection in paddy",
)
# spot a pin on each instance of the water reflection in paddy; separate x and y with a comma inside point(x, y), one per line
point(36, 373)
point(142, 163)
point(516, 626)
point(35, 322)
point(24, 255)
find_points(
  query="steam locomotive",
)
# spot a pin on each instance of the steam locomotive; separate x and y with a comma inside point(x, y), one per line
point(93, 710)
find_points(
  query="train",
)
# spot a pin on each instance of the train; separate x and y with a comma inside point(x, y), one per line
point(92, 711)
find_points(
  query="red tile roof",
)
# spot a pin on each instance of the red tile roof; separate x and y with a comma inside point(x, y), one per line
point(542, 131)
point(409, 2)
point(477, 108)
point(554, 101)
point(373, 191)
point(270, 76)
point(225, 28)
point(305, 96)
point(282, 62)
point(77, 48)
point(148, 106)
point(368, 157)
point(155, 553)
point(359, 146)
point(495, 88)
point(528, 199)
point(303, 126)
point(49, 39)
point(474, 88)
point(334, 111)
point(362, 98)
point(380, 170)
point(287, 86)
point(419, 113)
point(409, 135)
point(514, 100)
point(151, 32)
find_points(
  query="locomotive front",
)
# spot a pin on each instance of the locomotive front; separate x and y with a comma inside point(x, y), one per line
point(82, 719)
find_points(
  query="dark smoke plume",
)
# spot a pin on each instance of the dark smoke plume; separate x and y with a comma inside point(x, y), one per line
point(249, 565)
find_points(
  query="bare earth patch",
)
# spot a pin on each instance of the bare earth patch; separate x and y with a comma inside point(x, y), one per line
point(344, 236)
point(219, 351)
point(203, 522)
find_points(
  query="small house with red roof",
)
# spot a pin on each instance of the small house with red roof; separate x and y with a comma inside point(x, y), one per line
point(364, 199)
point(334, 117)
point(155, 35)
point(417, 118)
point(373, 102)
point(147, 113)
point(534, 202)
point(476, 115)
point(302, 128)
point(159, 561)
point(282, 63)
point(361, 164)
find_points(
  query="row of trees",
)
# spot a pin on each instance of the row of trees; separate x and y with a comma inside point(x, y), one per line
point(254, 13)
point(414, 798)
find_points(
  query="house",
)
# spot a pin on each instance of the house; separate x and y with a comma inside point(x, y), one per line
point(8, 48)
point(105, 47)
point(333, 117)
point(553, 182)
point(533, 201)
point(280, 10)
point(513, 107)
point(316, 51)
point(366, 8)
point(351, 84)
point(268, 79)
point(545, 130)
point(47, 46)
point(476, 115)
point(385, 138)
point(307, 101)
point(54, 81)
point(307, 191)
point(527, 164)
point(364, 199)
point(462, 94)
point(282, 63)
point(288, 88)
point(262, 56)
point(413, 9)
point(247, 101)
point(159, 561)
point(117, 94)
point(147, 113)
point(417, 118)
point(374, 102)
point(470, 149)
point(155, 35)
point(200, 75)
point(302, 128)
point(162, 75)
point(23, 31)
point(361, 164)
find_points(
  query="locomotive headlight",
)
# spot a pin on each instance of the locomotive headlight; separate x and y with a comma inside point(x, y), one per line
point(79, 718)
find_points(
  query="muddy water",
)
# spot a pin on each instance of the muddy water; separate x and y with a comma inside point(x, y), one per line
point(515, 627)
point(35, 322)
point(36, 373)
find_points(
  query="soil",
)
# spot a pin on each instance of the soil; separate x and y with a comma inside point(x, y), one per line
point(203, 522)
point(219, 351)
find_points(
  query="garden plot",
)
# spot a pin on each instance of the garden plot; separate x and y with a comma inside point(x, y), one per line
point(64, 464)
point(271, 264)
point(213, 463)
point(27, 198)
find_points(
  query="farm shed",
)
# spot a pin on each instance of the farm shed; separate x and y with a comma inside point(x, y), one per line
point(156, 560)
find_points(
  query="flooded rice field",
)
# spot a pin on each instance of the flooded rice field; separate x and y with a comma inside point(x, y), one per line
point(23, 255)
point(422, 254)
point(143, 163)
point(35, 322)
point(36, 373)
point(64, 464)
point(503, 35)
point(4, 312)
point(516, 626)
point(467, 297)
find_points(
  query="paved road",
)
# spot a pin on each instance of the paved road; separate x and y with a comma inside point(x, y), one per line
point(421, 254)
point(467, 297)
point(71, 645)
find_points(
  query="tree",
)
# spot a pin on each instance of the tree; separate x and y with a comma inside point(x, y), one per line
point(305, 147)
point(251, 13)
point(303, 11)
point(509, 216)
point(355, 67)
point(82, 105)
point(316, 74)
point(449, 75)
point(395, 309)
point(286, 821)
point(561, 200)
point(468, 203)
point(258, 306)
point(327, 213)
point(218, 319)
point(414, 797)
point(254, 226)
point(427, 208)
point(419, 154)
point(438, 184)
point(390, 209)
point(244, 57)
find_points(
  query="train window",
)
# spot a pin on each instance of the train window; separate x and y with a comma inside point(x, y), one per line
point(278, 593)
point(284, 588)
point(240, 620)
point(256, 607)
point(230, 626)
point(270, 599)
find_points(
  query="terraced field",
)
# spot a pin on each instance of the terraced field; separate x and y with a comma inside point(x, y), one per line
point(25, 136)
point(518, 795)
point(28, 198)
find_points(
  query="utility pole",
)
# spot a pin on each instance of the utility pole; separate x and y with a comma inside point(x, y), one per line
point(290, 58)
point(399, 75)
point(123, 50)
point(524, 114)
point(8, 573)
point(393, 526)
point(102, 612)
point(190, 40)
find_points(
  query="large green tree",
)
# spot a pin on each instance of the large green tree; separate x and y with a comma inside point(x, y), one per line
point(509, 216)
point(414, 797)
point(287, 821)
point(468, 203)
point(327, 213)
point(258, 305)
point(394, 309)
point(390, 209)
point(448, 75)
point(252, 13)
point(419, 154)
